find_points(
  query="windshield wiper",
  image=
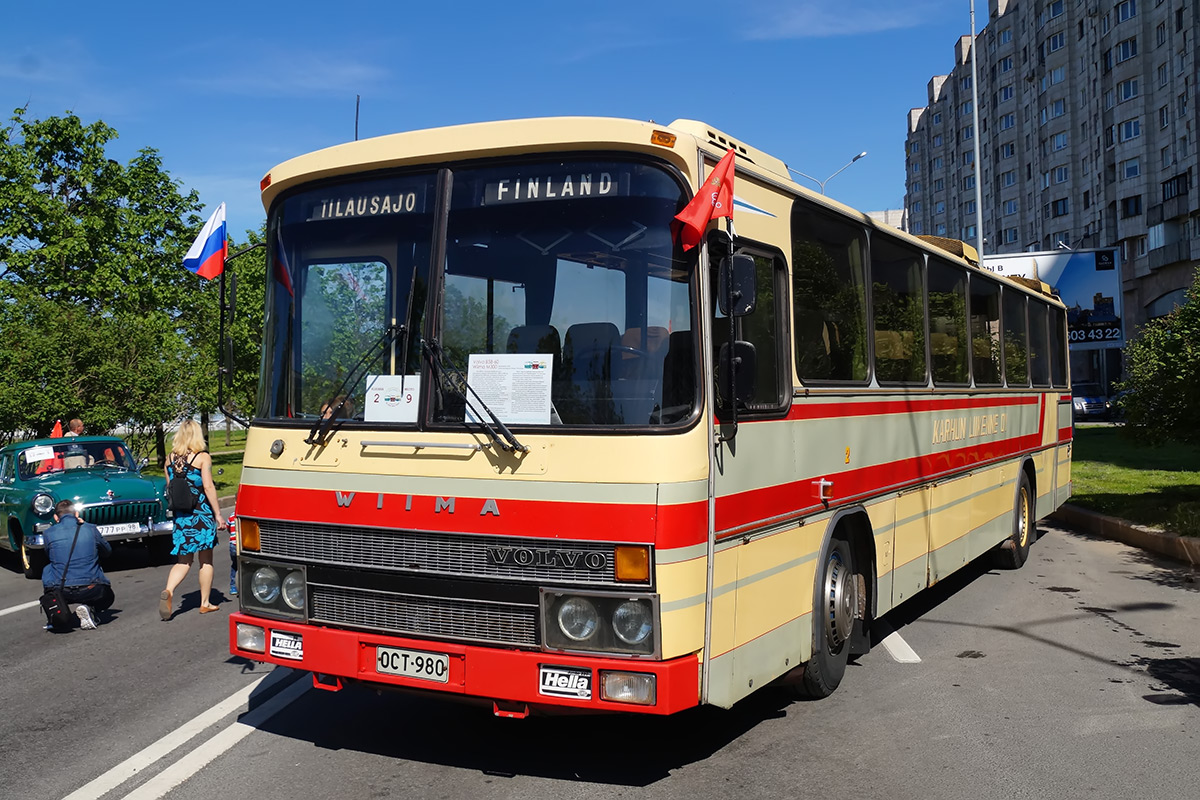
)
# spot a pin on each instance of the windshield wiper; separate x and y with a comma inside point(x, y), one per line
point(496, 429)
point(325, 424)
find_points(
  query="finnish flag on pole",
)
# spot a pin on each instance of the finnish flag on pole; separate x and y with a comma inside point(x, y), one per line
point(206, 256)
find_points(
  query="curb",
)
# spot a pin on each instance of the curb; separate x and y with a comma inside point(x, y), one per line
point(1172, 545)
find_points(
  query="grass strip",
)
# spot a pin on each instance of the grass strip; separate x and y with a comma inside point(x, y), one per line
point(1117, 475)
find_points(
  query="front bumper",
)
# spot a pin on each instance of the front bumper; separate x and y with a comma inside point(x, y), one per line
point(111, 533)
point(490, 673)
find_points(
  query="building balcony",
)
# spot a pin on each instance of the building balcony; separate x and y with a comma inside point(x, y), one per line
point(1169, 254)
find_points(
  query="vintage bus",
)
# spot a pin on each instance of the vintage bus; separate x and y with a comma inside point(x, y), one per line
point(514, 444)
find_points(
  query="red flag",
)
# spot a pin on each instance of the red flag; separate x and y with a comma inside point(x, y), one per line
point(282, 273)
point(57, 432)
point(715, 199)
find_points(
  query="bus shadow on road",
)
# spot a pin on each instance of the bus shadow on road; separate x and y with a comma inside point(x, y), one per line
point(624, 750)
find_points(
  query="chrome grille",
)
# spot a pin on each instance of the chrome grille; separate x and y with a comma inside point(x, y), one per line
point(431, 553)
point(115, 513)
point(419, 615)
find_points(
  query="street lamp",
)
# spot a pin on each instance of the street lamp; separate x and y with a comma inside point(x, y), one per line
point(831, 177)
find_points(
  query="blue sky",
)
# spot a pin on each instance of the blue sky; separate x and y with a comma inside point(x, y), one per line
point(225, 91)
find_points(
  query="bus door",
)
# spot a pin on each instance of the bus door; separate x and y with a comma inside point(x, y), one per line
point(755, 609)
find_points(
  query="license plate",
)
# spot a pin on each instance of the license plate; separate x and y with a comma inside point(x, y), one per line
point(124, 527)
point(287, 645)
point(413, 664)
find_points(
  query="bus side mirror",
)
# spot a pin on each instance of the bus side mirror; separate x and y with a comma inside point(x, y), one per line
point(736, 369)
point(735, 286)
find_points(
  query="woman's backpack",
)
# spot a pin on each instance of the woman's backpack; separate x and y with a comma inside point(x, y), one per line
point(180, 496)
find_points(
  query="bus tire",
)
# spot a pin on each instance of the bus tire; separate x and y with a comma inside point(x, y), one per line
point(1013, 551)
point(834, 622)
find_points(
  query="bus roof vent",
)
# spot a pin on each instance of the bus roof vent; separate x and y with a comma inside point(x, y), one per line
point(723, 141)
point(954, 246)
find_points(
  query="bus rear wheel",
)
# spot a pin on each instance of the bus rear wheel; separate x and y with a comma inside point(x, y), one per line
point(1013, 551)
point(834, 621)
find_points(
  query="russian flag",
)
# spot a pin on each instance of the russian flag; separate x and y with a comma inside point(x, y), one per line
point(206, 256)
point(282, 272)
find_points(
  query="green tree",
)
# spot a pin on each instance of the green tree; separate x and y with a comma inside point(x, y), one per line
point(1162, 368)
point(98, 318)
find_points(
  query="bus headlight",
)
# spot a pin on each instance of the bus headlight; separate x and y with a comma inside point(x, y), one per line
point(293, 590)
point(577, 619)
point(273, 590)
point(597, 622)
point(264, 585)
point(632, 622)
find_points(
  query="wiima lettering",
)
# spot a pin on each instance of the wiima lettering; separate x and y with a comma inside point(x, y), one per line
point(488, 506)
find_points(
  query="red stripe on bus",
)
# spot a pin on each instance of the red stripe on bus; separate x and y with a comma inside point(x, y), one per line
point(822, 410)
point(1066, 434)
point(743, 511)
point(666, 526)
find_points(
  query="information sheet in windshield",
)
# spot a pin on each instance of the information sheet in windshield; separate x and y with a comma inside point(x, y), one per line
point(392, 398)
point(515, 386)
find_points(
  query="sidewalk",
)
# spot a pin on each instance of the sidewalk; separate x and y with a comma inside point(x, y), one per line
point(1180, 548)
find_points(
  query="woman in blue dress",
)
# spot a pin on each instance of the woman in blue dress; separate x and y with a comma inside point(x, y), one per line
point(195, 532)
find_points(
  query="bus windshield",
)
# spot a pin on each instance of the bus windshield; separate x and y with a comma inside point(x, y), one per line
point(568, 261)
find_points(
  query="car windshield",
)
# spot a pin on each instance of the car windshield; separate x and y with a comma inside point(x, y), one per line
point(45, 459)
point(561, 299)
point(1087, 390)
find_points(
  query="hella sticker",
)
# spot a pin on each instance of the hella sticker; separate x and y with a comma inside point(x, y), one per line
point(565, 682)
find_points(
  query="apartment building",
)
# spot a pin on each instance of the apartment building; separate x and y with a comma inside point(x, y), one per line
point(1087, 139)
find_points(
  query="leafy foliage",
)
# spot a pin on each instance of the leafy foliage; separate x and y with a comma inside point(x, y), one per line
point(1162, 368)
point(98, 318)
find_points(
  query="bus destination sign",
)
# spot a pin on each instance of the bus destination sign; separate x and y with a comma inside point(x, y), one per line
point(533, 188)
point(354, 205)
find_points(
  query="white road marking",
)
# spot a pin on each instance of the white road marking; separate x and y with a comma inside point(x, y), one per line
point(173, 740)
point(196, 759)
point(15, 609)
point(899, 650)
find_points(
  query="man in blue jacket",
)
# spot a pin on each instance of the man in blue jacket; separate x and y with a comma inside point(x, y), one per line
point(85, 584)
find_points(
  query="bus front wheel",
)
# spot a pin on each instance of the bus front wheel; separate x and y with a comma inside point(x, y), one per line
point(834, 620)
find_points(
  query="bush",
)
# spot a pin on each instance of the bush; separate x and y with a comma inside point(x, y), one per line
point(1162, 369)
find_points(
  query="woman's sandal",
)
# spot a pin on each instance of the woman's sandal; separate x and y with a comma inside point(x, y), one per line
point(164, 605)
point(209, 609)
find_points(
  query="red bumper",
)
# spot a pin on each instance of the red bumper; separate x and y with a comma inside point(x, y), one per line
point(493, 673)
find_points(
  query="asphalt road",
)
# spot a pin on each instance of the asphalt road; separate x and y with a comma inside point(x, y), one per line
point(1077, 676)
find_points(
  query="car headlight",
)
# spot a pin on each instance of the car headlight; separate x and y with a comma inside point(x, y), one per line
point(577, 619)
point(293, 590)
point(264, 585)
point(632, 622)
point(43, 504)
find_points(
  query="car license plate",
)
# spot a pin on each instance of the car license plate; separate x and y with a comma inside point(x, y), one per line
point(124, 527)
point(413, 664)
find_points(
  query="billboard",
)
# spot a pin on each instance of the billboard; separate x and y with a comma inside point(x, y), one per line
point(1089, 284)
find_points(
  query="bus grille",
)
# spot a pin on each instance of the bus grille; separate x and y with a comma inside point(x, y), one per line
point(114, 513)
point(436, 553)
point(417, 615)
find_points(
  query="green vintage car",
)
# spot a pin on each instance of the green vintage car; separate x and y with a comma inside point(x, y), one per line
point(99, 474)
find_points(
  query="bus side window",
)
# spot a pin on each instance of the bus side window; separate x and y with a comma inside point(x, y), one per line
point(948, 323)
point(829, 287)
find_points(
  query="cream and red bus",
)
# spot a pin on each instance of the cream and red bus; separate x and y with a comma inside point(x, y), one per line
point(514, 444)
